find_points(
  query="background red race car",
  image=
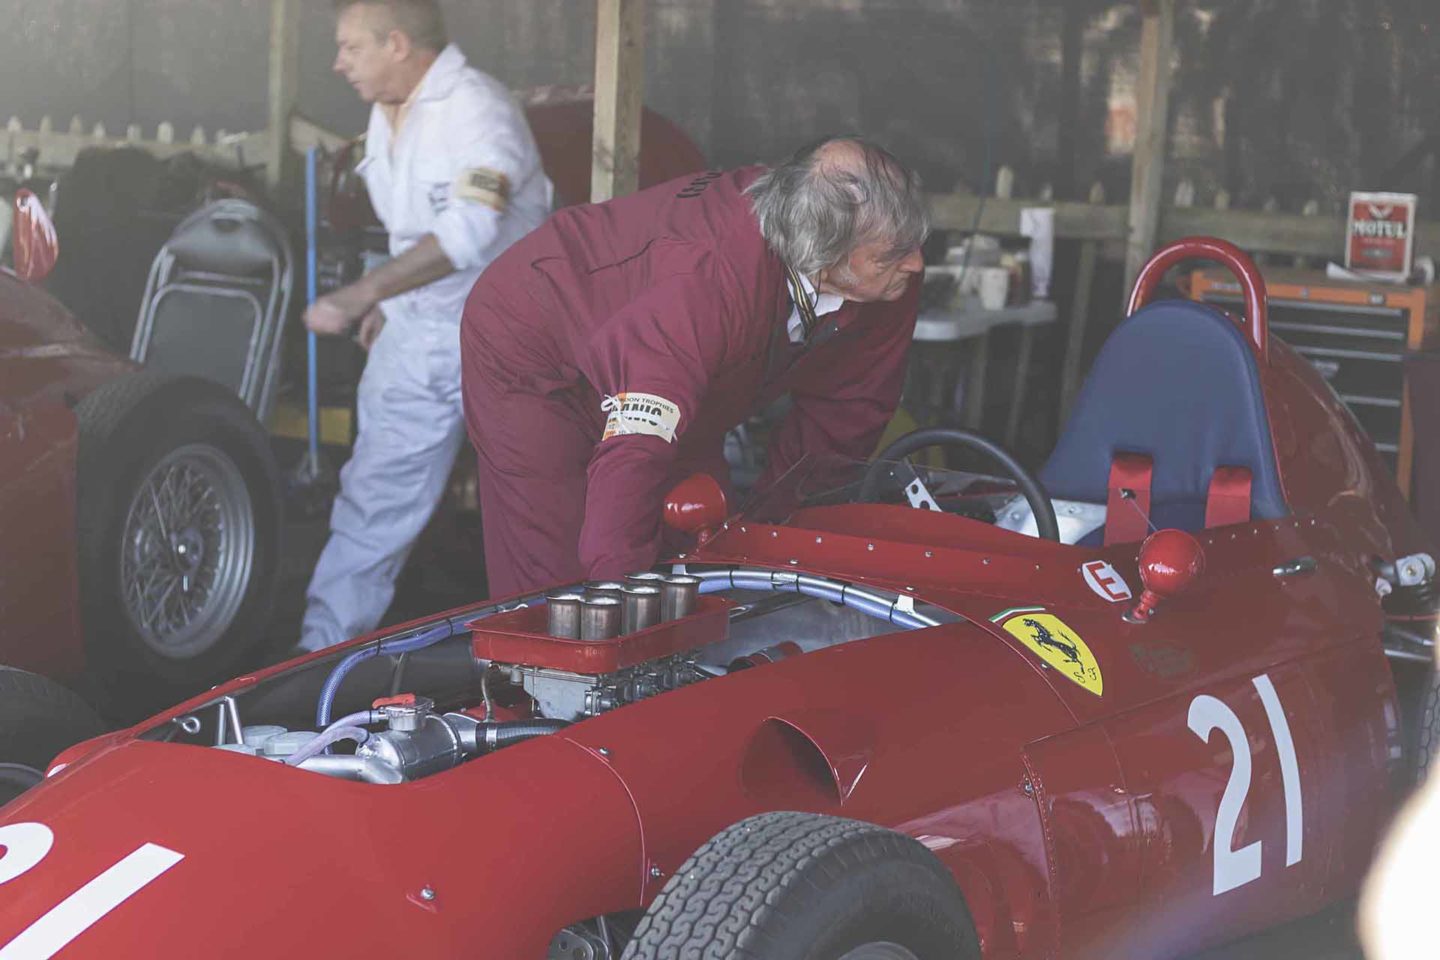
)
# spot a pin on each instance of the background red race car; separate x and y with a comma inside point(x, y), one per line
point(875, 731)
point(140, 514)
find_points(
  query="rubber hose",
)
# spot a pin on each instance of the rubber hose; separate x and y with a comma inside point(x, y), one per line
point(320, 741)
point(497, 735)
point(714, 582)
point(406, 645)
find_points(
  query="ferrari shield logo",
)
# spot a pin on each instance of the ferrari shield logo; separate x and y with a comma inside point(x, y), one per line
point(1047, 636)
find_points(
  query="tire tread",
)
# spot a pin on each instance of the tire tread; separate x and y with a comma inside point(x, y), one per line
point(1428, 737)
point(725, 900)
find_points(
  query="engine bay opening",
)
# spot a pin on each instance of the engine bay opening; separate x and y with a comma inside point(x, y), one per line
point(427, 699)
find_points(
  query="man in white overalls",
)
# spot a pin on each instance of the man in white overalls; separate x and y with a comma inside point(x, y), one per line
point(455, 177)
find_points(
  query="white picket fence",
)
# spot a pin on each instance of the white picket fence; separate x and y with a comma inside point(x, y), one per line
point(56, 150)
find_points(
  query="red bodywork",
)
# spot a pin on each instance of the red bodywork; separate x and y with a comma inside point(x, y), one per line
point(1077, 821)
point(47, 364)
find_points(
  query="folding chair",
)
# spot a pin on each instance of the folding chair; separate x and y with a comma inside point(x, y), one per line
point(216, 301)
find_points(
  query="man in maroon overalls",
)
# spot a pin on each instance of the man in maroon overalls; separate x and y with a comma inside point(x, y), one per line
point(606, 355)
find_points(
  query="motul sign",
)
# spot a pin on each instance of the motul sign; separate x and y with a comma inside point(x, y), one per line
point(1380, 238)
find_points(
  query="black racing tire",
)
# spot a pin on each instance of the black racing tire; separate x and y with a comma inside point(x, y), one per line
point(197, 443)
point(798, 886)
point(38, 719)
point(1425, 737)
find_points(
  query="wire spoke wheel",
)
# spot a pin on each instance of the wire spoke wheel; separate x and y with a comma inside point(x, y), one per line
point(188, 550)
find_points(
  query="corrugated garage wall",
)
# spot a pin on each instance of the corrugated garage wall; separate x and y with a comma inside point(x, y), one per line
point(1286, 98)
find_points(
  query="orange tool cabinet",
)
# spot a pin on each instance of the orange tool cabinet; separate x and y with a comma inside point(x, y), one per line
point(1357, 335)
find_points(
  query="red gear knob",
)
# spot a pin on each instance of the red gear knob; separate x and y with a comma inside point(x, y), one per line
point(1170, 560)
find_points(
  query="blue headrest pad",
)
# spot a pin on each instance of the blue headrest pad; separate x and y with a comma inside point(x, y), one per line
point(1177, 380)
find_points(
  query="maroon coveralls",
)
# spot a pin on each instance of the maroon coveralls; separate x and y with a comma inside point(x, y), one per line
point(670, 292)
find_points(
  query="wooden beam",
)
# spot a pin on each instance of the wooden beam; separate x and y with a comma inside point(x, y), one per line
point(619, 97)
point(1001, 216)
point(1286, 233)
point(1255, 231)
point(1259, 231)
point(58, 149)
point(284, 85)
point(1152, 112)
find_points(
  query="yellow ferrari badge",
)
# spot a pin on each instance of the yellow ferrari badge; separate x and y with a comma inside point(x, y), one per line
point(1047, 636)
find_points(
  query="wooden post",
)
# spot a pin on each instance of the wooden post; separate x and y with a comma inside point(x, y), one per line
point(1311, 209)
point(973, 405)
point(284, 74)
point(619, 97)
point(1152, 111)
point(1079, 316)
point(1072, 51)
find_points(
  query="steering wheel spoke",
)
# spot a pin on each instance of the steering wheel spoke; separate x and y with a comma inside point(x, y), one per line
point(916, 492)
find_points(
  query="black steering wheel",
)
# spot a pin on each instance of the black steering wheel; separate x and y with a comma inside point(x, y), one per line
point(1030, 487)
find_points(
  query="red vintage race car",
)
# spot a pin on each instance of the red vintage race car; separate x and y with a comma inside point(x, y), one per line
point(884, 730)
point(141, 520)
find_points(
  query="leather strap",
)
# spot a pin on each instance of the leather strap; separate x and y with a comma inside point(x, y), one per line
point(1127, 506)
point(1228, 500)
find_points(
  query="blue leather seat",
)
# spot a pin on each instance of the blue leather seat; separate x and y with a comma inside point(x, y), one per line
point(1177, 380)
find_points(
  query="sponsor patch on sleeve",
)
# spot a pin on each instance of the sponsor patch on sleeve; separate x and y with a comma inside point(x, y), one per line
point(488, 187)
point(1052, 640)
point(642, 414)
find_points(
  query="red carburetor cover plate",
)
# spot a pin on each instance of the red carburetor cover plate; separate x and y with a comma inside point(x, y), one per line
point(518, 636)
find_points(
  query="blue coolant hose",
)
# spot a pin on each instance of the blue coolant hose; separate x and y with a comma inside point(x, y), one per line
point(889, 608)
point(409, 644)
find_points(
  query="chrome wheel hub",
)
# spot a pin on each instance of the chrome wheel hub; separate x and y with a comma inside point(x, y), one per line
point(188, 551)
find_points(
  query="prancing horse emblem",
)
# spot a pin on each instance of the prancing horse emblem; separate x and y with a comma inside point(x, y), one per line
point(1045, 638)
point(1055, 643)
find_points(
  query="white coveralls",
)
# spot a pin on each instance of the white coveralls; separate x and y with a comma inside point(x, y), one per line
point(465, 168)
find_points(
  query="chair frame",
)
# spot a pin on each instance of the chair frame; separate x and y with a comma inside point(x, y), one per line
point(168, 274)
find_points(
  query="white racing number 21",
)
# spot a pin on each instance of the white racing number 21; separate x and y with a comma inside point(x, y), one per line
point(1235, 868)
point(25, 844)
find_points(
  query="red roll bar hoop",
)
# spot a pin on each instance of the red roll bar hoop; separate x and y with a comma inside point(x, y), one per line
point(1252, 285)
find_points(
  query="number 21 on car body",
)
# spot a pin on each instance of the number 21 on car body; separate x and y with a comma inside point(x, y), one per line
point(23, 846)
point(1208, 714)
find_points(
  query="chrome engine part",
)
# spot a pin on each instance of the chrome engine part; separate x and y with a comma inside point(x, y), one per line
point(1407, 587)
point(419, 741)
point(354, 768)
point(573, 696)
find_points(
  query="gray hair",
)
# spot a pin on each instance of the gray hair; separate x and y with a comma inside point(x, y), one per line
point(420, 20)
point(817, 207)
